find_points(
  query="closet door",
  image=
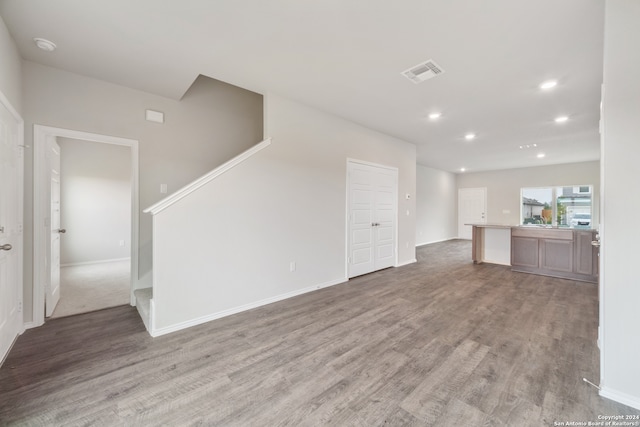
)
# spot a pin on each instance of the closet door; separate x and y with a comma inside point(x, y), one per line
point(372, 217)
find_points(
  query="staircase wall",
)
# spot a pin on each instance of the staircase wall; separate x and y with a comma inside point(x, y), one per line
point(212, 123)
point(229, 246)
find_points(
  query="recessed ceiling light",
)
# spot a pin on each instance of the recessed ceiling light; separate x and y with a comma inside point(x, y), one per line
point(549, 84)
point(470, 136)
point(540, 155)
point(462, 169)
point(435, 116)
point(561, 119)
point(44, 44)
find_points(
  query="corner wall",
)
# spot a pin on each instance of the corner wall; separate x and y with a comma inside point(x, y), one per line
point(619, 282)
point(436, 199)
point(287, 203)
point(10, 69)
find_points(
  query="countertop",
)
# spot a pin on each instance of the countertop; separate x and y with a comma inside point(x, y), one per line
point(531, 226)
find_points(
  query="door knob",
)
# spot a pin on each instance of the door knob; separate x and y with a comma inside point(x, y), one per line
point(595, 243)
point(62, 231)
point(6, 247)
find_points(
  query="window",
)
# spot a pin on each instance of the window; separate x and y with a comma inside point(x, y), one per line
point(567, 206)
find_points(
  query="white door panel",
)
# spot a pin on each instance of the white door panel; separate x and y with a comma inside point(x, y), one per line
point(471, 210)
point(11, 186)
point(372, 218)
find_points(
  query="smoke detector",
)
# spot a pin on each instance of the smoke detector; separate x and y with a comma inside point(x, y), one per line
point(423, 71)
point(44, 44)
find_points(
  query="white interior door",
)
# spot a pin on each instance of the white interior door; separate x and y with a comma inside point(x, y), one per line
point(53, 290)
point(11, 183)
point(371, 218)
point(472, 205)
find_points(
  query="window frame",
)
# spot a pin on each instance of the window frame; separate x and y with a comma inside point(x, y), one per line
point(554, 202)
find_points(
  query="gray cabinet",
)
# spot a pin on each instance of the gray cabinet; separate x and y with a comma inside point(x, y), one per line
point(556, 255)
point(524, 251)
point(586, 255)
point(555, 252)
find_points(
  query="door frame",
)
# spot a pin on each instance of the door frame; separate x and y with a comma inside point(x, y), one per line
point(347, 211)
point(42, 202)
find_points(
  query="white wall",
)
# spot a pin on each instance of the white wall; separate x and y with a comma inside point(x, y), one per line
point(503, 186)
point(287, 203)
point(95, 201)
point(10, 68)
point(212, 123)
point(436, 198)
point(620, 282)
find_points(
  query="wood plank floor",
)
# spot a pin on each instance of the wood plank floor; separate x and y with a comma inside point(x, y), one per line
point(441, 342)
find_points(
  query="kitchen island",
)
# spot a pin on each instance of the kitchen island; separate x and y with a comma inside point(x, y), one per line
point(545, 250)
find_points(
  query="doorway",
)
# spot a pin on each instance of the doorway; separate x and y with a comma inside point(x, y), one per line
point(94, 246)
point(43, 224)
point(372, 203)
point(472, 208)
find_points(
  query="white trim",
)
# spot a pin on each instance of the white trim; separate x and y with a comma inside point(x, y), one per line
point(377, 165)
point(156, 332)
point(411, 261)
point(41, 194)
point(603, 242)
point(29, 325)
point(151, 322)
point(103, 261)
point(436, 241)
point(204, 179)
point(620, 397)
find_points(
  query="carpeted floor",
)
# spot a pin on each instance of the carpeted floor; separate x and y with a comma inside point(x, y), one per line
point(93, 287)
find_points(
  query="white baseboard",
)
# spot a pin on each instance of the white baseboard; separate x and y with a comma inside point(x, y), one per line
point(488, 261)
point(411, 261)
point(625, 399)
point(156, 332)
point(29, 325)
point(435, 241)
point(103, 261)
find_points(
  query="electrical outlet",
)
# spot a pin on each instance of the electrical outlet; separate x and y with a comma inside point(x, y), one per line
point(121, 243)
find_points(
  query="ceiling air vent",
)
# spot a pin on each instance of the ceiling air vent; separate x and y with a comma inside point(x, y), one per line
point(424, 71)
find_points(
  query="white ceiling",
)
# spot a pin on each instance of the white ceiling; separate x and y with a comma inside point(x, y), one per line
point(346, 56)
